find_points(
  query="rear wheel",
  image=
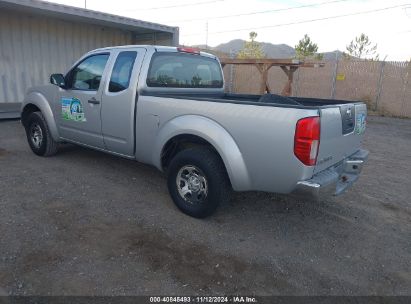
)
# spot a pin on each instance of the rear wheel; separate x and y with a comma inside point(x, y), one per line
point(38, 135)
point(197, 181)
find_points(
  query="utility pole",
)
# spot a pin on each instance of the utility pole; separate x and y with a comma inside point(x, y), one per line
point(85, 3)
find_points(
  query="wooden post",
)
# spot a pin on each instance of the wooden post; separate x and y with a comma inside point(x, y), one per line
point(287, 90)
point(263, 68)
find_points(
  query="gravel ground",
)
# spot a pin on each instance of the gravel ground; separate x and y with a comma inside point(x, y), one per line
point(87, 223)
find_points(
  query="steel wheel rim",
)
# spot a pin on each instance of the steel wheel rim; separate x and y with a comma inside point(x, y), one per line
point(192, 184)
point(36, 135)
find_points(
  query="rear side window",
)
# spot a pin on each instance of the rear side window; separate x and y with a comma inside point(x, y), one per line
point(120, 76)
point(182, 70)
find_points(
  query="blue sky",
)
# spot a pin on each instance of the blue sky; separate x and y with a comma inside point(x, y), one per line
point(390, 27)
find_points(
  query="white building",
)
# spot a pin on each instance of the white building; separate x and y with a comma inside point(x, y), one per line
point(38, 38)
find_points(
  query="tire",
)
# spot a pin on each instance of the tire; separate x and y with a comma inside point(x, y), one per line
point(200, 173)
point(38, 135)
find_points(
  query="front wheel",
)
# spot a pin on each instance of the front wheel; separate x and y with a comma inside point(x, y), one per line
point(197, 181)
point(38, 135)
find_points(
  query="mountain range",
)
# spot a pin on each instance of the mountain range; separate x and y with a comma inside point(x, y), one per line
point(270, 50)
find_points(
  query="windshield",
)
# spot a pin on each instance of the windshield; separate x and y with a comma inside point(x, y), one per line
point(183, 70)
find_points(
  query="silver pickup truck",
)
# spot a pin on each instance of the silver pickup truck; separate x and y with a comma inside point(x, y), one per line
point(166, 106)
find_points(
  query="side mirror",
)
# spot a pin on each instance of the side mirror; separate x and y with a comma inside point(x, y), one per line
point(58, 80)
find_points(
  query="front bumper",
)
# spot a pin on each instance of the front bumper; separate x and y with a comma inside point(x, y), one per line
point(334, 180)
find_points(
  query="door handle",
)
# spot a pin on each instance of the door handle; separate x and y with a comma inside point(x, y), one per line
point(93, 101)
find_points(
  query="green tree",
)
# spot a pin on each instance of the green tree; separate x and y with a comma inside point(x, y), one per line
point(362, 47)
point(306, 48)
point(251, 49)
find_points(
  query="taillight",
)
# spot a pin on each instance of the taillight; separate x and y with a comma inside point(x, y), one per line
point(307, 140)
point(188, 50)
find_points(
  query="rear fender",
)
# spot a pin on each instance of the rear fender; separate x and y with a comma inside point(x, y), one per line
point(213, 133)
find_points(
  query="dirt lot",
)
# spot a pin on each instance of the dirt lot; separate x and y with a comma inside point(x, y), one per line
point(87, 223)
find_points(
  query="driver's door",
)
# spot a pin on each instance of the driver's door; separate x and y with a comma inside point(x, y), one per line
point(79, 105)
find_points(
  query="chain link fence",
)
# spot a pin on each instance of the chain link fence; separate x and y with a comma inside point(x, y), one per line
point(385, 86)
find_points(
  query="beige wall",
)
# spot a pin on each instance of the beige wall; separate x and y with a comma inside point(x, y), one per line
point(32, 48)
point(384, 86)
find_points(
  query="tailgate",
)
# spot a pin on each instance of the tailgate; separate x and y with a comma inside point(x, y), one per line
point(342, 128)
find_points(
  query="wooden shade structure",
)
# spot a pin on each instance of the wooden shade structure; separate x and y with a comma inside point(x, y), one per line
point(289, 66)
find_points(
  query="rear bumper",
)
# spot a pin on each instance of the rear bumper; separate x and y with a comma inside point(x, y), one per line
point(334, 180)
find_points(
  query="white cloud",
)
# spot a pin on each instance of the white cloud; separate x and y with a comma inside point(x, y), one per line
point(390, 29)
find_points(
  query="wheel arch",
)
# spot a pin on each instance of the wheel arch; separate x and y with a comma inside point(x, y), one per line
point(191, 130)
point(35, 101)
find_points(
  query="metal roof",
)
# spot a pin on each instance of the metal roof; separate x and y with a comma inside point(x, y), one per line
point(85, 15)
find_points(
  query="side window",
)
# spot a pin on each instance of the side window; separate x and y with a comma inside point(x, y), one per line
point(87, 75)
point(120, 76)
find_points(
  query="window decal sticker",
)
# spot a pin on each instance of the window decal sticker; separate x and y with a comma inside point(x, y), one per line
point(360, 124)
point(72, 109)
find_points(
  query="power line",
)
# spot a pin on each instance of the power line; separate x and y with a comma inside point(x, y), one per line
point(260, 12)
point(306, 21)
point(174, 6)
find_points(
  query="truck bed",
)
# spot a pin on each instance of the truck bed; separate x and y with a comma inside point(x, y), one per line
point(262, 100)
point(338, 140)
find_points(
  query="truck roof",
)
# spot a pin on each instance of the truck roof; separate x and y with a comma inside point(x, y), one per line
point(157, 48)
